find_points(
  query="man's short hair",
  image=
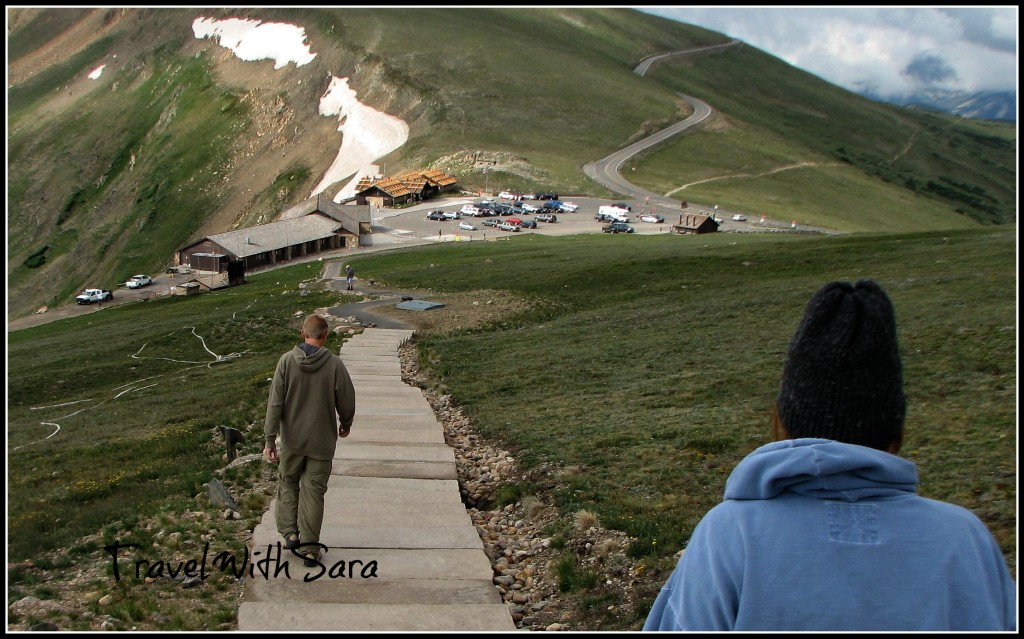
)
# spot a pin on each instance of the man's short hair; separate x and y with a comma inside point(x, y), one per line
point(314, 327)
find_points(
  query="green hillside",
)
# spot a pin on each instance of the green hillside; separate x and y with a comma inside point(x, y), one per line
point(107, 178)
point(642, 370)
point(872, 167)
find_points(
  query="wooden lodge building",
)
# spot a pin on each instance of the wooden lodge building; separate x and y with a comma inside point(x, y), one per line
point(404, 188)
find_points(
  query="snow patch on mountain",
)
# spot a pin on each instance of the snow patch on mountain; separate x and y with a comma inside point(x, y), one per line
point(366, 134)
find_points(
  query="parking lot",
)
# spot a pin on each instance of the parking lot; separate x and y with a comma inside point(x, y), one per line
point(412, 222)
point(410, 226)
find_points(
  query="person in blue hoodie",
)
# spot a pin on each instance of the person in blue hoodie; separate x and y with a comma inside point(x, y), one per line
point(822, 530)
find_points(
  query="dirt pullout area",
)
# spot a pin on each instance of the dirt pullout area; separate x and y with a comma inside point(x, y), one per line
point(460, 311)
point(94, 24)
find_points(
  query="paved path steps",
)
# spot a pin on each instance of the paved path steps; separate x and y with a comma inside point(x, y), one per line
point(393, 501)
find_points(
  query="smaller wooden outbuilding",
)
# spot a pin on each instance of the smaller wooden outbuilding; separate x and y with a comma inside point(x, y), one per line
point(695, 224)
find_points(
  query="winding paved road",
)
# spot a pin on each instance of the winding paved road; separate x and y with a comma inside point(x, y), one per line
point(606, 171)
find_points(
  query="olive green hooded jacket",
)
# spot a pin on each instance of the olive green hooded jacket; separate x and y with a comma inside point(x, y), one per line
point(310, 397)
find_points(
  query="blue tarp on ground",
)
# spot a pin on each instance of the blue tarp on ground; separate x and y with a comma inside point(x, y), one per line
point(418, 305)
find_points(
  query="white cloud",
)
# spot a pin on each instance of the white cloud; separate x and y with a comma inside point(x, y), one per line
point(855, 47)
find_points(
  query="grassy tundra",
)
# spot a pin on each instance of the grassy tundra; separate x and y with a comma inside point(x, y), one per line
point(642, 372)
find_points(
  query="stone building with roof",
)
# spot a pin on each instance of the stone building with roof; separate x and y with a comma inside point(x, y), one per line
point(313, 226)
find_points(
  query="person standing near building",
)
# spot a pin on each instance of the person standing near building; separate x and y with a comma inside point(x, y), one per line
point(823, 530)
point(350, 275)
point(312, 403)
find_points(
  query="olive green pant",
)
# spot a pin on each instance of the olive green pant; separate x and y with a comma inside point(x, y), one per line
point(301, 486)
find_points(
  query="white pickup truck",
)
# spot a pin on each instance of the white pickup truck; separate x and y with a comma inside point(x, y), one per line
point(90, 295)
point(611, 213)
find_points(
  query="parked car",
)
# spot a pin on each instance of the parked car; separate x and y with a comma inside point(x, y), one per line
point(436, 215)
point(547, 217)
point(530, 208)
point(514, 220)
point(491, 222)
point(567, 207)
point(508, 195)
point(652, 218)
point(138, 281)
point(452, 215)
point(739, 217)
point(470, 209)
point(529, 224)
point(505, 226)
point(622, 205)
point(545, 196)
point(552, 205)
point(466, 226)
point(90, 295)
point(617, 227)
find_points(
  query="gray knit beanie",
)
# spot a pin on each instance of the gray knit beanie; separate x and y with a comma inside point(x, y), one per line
point(843, 379)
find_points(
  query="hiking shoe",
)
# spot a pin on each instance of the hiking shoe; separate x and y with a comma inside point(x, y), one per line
point(291, 542)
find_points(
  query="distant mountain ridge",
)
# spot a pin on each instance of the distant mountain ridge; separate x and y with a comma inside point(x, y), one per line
point(981, 105)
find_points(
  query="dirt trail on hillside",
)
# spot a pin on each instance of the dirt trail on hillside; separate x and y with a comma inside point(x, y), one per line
point(753, 175)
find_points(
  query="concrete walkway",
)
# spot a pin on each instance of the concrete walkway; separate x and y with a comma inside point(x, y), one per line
point(392, 508)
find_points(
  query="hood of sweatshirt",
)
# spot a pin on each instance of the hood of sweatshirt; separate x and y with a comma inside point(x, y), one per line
point(823, 469)
point(311, 363)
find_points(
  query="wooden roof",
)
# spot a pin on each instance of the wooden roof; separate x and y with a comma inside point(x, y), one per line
point(364, 183)
point(411, 181)
point(414, 183)
point(693, 220)
point(392, 186)
point(437, 177)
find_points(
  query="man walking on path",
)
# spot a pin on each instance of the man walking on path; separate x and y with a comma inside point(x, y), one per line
point(311, 404)
point(350, 274)
point(823, 529)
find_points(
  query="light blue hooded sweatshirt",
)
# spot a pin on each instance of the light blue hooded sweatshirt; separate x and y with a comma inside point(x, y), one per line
point(820, 535)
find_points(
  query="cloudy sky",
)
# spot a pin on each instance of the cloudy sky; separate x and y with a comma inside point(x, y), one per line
point(888, 50)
